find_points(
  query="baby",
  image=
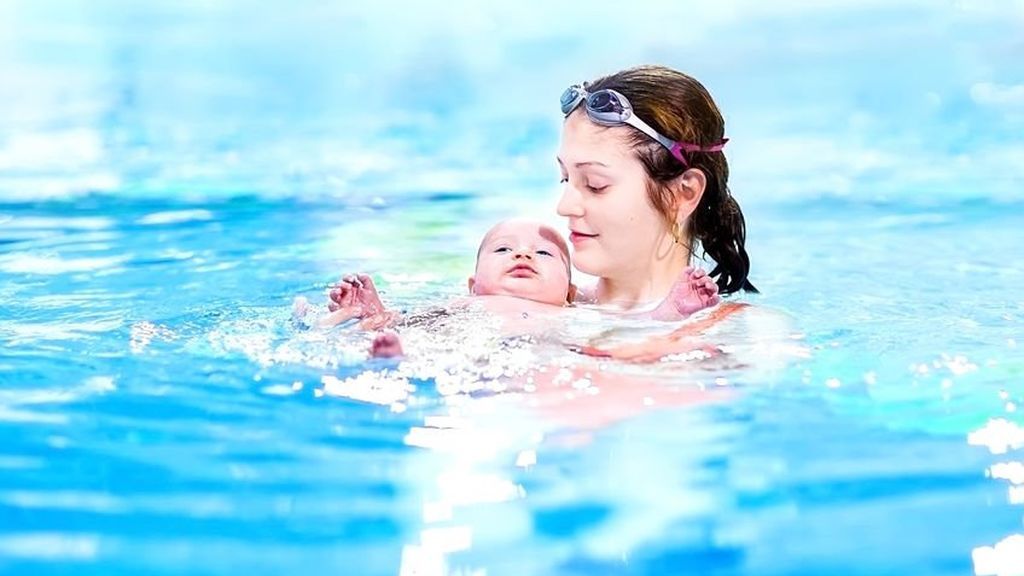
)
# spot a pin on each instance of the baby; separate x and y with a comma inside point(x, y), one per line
point(522, 271)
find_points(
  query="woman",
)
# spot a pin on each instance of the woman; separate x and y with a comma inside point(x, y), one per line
point(645, 182)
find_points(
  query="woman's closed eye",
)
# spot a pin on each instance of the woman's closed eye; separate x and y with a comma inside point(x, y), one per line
point(588, 186)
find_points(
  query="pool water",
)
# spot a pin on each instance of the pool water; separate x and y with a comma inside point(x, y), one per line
point(159, 412)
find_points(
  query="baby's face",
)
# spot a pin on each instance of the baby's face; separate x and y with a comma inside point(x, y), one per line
point(523, 259)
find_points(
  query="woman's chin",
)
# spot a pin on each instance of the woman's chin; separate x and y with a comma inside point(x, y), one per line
point(587, 265)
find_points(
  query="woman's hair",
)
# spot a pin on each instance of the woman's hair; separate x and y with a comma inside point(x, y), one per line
point(680, 108)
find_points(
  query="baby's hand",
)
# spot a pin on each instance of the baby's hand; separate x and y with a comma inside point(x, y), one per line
point(692, 292)
point(343, 294)
point(355, 296)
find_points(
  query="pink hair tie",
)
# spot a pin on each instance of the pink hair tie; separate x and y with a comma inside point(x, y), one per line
point(689, 148)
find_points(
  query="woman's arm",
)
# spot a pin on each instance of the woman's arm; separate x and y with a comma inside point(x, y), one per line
point(682, 340)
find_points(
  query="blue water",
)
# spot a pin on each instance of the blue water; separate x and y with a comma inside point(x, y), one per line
point(170, 177)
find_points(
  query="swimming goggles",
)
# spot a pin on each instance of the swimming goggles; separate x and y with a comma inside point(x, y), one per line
point(608, 107)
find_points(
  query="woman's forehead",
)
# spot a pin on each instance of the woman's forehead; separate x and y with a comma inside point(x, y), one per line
point(587, 144)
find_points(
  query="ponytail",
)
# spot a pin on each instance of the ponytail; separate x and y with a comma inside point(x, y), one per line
point(719, 226)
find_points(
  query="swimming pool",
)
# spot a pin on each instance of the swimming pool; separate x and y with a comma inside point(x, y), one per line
point(159, 414)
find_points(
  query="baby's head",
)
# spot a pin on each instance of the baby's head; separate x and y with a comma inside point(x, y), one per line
point(526, 259)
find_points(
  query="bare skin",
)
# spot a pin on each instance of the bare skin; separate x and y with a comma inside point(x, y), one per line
point(521, 277)
point(692, 292)
point(680, 341)
point(356, 297)
point(386, 345)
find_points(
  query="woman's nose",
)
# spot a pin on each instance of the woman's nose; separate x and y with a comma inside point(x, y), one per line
point(569, 204)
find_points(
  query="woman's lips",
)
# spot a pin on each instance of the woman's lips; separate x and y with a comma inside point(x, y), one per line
point(577, 237)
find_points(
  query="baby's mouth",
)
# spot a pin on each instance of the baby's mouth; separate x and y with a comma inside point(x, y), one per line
point(522, 271)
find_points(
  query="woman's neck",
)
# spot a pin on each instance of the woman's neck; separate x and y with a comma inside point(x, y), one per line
point(646, 284)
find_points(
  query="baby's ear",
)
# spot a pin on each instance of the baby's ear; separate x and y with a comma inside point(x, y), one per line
point(570, 296)
point(471, 283)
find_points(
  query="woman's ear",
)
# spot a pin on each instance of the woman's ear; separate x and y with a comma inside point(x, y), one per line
point(570, 297)
point(689, 189)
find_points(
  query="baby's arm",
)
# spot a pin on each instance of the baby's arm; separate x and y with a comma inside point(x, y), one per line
point(354, 296)
point(303, 315)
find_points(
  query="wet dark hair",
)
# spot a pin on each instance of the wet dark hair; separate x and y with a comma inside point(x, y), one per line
point(679, 107)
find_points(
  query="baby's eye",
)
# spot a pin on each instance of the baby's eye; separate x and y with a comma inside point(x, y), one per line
point(501, 249)
point(545, 252)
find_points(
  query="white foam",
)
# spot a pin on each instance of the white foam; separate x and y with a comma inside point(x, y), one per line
point(175, 217)
point(1004, 559)
point(45, 222)
point(50, 546)
point(1011, 471)
point(27, 263)
point(998, 435)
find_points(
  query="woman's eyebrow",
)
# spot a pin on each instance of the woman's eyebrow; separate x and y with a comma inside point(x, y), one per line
point(583, 164)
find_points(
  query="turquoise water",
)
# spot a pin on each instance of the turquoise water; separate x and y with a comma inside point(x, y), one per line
point(171, 177)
